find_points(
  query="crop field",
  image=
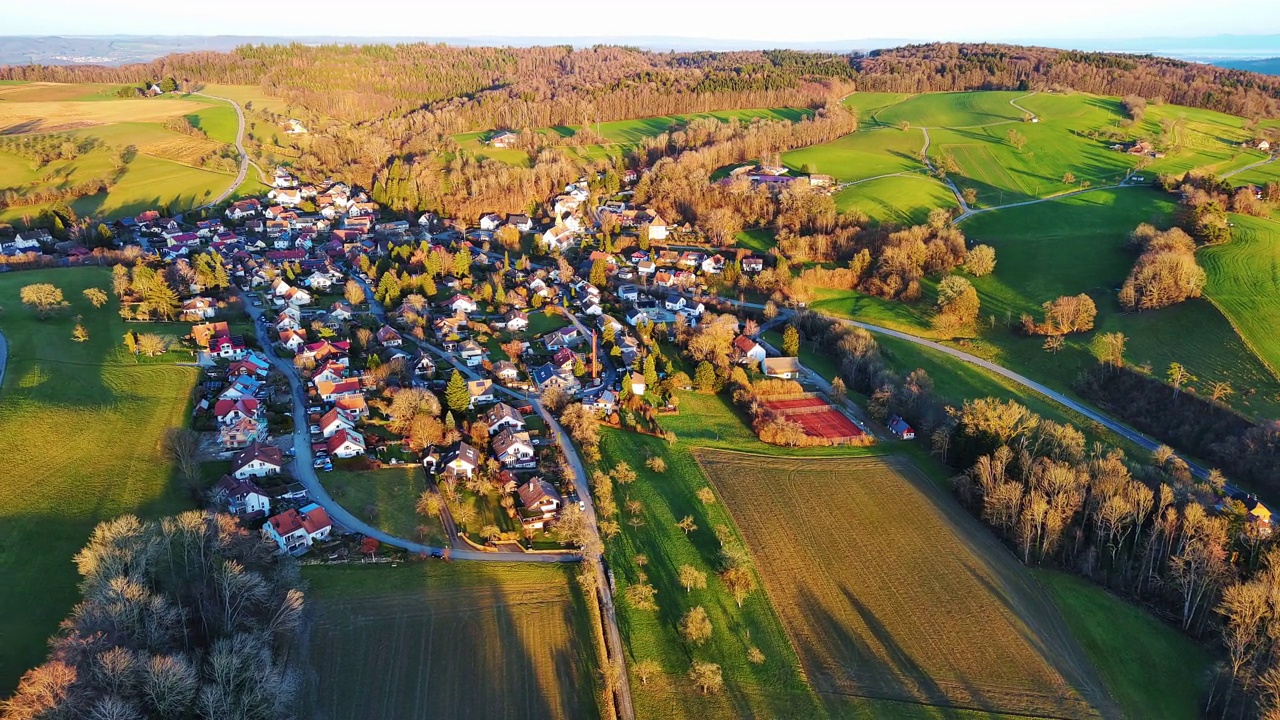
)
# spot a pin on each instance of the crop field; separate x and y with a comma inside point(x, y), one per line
point(23, 92)
point(901, 199)
point(889, 590)
point(1244, 283)
point(83, 428)
point(180, 148)
point(52, 116)
point(434, 640)
point(860, 155)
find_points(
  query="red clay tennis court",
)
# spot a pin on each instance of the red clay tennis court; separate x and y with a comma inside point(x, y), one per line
point(816, 416)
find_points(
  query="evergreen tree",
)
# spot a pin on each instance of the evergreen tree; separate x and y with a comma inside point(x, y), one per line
point(599, 273)
point(650, 372)
point(104, 237)
point(704, 378)
point(456, 395)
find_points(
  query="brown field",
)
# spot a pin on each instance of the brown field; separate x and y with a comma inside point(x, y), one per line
point(45, 91)
point(888, 589)
point(432, 640)
point(50, 116)
point(186, 150)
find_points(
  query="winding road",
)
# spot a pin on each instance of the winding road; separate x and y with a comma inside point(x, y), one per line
point(244, 157)
point(1111, 424)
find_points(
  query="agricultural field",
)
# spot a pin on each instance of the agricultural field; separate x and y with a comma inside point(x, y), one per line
point(83, 425)
point(1244, 283)
point(619, 136)
point(165, 172)
point(932, 610)
point(440, 640)
point(1032, 239)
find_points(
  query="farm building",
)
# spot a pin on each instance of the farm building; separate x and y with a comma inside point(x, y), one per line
point(787, 368)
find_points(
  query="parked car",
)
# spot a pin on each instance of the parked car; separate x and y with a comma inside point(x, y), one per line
point(315, 429)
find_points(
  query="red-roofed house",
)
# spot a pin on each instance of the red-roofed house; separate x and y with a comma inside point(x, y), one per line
point(295, 530)
point(345, 444)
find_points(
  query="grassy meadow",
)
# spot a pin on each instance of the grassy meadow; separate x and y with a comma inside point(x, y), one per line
point(450, 641)
point(83, 428)
point(1244, 283)
point(1131, 649)
point(889, 590)
point(164, 174)
point(386, 499)
point(899, 199)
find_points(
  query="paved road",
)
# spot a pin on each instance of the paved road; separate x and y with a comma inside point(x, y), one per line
point(4, 357)
point(244, 157)
point(1270, 159)
point(303, 470)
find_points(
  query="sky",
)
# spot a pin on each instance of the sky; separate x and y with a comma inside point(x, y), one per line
point(782, 21)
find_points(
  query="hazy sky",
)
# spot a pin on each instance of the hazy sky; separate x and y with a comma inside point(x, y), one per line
point(761, 20)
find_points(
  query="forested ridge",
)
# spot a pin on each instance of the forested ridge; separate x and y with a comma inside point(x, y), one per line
point(373, 107)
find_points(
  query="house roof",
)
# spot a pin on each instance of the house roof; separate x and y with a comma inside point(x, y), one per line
point(245, 405)
point(331, 417)
point(269, 454)
point(508, 439)
point(480, 387)
point(776, 365)
point(500, 412)
point(466, 454)
point(232, 487)
point(745, 344)
point(351, 403)
point(898, 425)
point(537, 491)
point(342, 437)
point(312, 518)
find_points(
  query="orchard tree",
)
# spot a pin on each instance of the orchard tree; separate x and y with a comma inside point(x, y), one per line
point(96, 296)
point(695, 626)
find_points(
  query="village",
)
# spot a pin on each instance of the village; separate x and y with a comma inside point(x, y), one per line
point(335, 339)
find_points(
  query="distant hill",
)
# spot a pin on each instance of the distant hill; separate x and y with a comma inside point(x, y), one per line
point(1267, 66)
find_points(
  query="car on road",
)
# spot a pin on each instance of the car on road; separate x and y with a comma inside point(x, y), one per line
point(257, 302)
point(437, 553)
point(313, 409)
point(290, 452)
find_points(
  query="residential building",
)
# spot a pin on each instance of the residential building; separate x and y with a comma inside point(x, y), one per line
point(257, 460)
point(294, 531)
point(786, 368)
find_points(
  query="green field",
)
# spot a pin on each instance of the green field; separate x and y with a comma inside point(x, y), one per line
point(1151, 669)
point(889, 590)
point(962, 109)
point(1082, 239)
point(901, 199)
point(1244, 283)
point(436, 640)
point(387, 500)
point(83, 429)
point(165, 174)
point(860, 155)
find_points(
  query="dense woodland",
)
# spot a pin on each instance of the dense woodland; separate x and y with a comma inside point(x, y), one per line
point(185, 617)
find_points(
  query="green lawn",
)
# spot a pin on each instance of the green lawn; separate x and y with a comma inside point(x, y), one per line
point(1151, 669)
point(83, 427)
point(1244, 283)
point(386, 499)
point(902, 199)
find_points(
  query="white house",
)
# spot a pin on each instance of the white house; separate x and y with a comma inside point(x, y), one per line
point(491, 221)
point(471, 353)
point(333, 422)
point(319, 281)
point(748, 351)
point(241, 497)
point(637, 384)
point(345, 444)
point(503, 417)
point(257, 460)
point(295, 530)
point(513, 448)
point(461, 304)
point(540, 501)
point(463, 461)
